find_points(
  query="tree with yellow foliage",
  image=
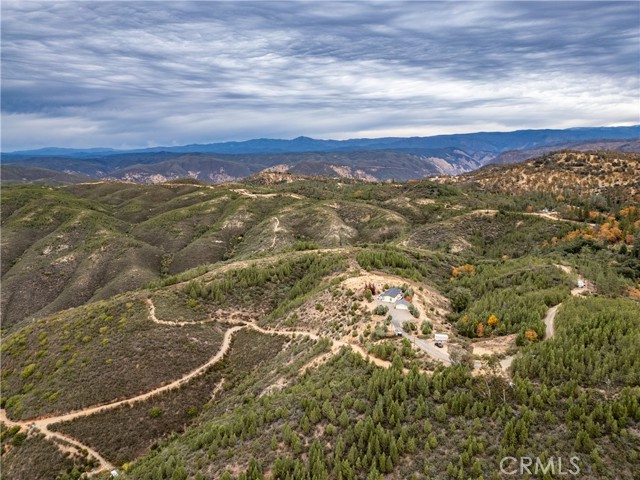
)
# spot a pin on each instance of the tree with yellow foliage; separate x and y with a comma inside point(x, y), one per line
point(466, 269)
point(610, 232)
point(493, 321)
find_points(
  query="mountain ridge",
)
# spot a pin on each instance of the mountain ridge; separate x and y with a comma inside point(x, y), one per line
point(270, 145)
point(376, 160)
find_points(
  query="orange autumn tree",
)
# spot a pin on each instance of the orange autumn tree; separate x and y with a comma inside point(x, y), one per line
point(610, 232)
point(466, 269)
point(493, 321)
point(480, 330)
point(531, 335)
point(631, 212)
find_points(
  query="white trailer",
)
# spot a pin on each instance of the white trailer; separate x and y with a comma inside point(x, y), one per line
point(440, 338)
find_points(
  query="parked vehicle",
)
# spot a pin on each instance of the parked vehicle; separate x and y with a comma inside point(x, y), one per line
point(441, 337)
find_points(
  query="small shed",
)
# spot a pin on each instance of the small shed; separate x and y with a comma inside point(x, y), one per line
point(441, 337)
point(391, 296)
point(402, 304)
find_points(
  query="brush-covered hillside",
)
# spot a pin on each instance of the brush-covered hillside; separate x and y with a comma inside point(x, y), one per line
point(284, 327)
point(65, 246)
point(568, 173)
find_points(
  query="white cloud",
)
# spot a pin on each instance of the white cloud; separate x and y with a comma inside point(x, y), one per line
point(137, 73)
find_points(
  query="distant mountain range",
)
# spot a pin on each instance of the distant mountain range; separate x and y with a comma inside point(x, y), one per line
point(376, 159)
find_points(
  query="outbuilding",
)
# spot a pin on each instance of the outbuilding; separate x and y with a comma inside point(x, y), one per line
point(402, 304)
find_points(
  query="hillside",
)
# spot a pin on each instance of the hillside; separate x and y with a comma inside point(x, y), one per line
point(567, 173)
point(236, 331)
point(515, 156)
point(284, 401)
point(13, 174)
point(90, 241)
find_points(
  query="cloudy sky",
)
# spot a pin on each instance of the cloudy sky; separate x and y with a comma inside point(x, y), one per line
point(135, 74)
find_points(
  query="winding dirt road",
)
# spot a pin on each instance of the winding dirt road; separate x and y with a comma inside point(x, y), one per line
point(549, 321)
point(43, 424)
point(336, 344)
point(550, 317)
point(104, 464)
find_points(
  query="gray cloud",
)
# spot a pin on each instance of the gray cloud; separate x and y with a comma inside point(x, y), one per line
point(129, 74)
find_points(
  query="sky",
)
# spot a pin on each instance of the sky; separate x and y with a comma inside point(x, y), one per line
point(136, 74)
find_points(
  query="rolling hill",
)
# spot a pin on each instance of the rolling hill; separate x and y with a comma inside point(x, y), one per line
point(89, 241)
point(572, 174)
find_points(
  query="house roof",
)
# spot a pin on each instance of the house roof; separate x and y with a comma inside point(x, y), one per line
point(392, 292)
point(403, 302)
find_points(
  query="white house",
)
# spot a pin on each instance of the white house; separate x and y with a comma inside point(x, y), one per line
point(391, 296)
point(402, 304)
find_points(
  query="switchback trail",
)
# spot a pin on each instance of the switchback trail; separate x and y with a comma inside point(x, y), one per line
point(104, 464)
point(44, 423)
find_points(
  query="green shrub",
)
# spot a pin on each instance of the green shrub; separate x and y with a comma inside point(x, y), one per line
point(426, 327)
point(381, 310)
point(155, 412)
point(28, 370)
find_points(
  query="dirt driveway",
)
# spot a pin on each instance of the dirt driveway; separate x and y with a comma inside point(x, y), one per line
point(398, 317)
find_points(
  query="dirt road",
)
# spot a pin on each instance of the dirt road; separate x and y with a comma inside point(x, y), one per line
point(550, 317)
point(104, 464)
point(276, 229)
point(43, 424)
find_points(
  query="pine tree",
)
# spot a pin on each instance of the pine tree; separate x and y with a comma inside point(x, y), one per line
point(254, 472)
